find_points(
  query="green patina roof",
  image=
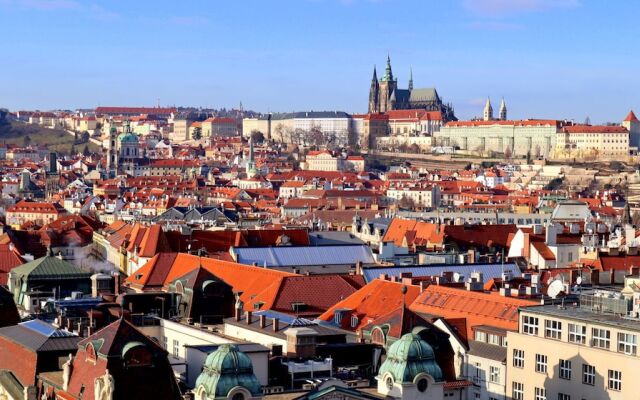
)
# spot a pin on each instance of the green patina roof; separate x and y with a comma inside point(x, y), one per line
point(225, 369)
point(50, 267)
point(408, 357)
point(127, 137)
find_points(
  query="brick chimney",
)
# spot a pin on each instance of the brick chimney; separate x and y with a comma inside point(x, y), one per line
point(276, 324)
point(263, 321)
point(238, 314)
point(249, 314)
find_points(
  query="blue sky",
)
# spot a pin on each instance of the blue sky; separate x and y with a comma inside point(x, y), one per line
point(548, 58)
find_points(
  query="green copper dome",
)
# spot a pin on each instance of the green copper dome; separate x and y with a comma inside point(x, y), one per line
point(127, 137)
point(225, 369)
point(408, 357)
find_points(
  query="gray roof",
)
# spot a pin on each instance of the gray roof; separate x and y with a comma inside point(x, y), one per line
point(286, 256)
point(576, 313)
point(424, 94)
point(486, 350)
point(326, 238)
point(571, 210)
point(489, 271)
point(40, 336)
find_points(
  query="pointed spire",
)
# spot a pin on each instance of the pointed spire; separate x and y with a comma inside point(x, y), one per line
point(631, 117)
point(503, 110)
point(488, 110)
point(375, 74)
point(410, 78)
point(388, 75)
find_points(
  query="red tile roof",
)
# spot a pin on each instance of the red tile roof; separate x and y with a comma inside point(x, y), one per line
point(378, 298)
point(594, 129)
point(479, 308)
point(631, 117)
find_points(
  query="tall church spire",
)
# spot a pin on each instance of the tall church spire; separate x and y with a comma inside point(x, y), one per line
point(374, 93)
point(503, 110)
point(410, 78)
point(388, 75)
point(488, 111)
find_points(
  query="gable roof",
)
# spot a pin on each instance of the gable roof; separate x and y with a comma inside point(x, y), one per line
point(164, 268)
point(317, 292)
point(372, 301)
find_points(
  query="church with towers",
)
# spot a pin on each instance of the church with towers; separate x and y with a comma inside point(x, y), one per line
point(487, 114)
point(384, 95)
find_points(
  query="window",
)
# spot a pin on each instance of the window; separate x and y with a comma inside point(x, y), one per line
point(518, 358)
point(478, 376)
point(627, 343)
point(577, 334)
point(541, 393)
point(164, 342)
point(562, 396)
point(176, 348)
point(494, 374)
point(600, 338)
point(493, 339)
point(481, 336)
point(529, 325)
point(565, 369)
point(517, 392)
point(541, 363)
point(552, 329)
point(615, 380)
point(588, 374)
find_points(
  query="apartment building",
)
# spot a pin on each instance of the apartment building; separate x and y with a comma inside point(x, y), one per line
point(582, 352)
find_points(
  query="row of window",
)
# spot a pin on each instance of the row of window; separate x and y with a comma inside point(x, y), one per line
point(517, 388)
point(627, 343)
point(614, 379)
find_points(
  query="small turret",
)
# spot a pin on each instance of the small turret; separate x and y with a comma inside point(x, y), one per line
point(410, 79)
point(388, 74)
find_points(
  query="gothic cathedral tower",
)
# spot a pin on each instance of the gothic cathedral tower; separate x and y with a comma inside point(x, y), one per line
point(374, 93)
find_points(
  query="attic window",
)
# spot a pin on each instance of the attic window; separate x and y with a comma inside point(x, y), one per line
point(258, 305)
point(298, 307)
point(354, 321)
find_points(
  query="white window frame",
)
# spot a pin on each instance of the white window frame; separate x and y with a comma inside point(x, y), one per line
point(518, 358)
point(627, 343)
point(588, 374)
point(494, 374)
point(541, 363)
point(565, 369)
point(530, 325)
point(552, 329)
point(577, 333)
point(615, 380)
point(540, 393)
point(562, 396)
point(176, 348)
point(517, 390)
point(601, 338)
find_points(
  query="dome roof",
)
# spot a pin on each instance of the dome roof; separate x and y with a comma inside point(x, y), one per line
point(127, 137)
point(408, 357)
point(225, 369)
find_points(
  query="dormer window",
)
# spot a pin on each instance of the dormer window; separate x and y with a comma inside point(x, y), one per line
point(298, 307)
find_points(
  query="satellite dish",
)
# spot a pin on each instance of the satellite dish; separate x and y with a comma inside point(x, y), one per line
point(579, 280)
point(555, 288)
point(456, 277)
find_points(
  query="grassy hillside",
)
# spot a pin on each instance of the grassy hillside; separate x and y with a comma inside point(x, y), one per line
point(54, 139)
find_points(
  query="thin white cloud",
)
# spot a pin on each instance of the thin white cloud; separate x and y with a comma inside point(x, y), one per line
point(102, 14)
point(503, 8)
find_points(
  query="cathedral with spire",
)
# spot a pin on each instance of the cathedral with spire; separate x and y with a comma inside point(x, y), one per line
point(384, 95)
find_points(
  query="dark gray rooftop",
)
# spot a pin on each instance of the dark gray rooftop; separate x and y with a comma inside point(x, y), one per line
point(486, 350)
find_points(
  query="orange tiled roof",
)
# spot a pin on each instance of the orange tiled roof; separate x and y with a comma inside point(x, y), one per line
point(479, 308)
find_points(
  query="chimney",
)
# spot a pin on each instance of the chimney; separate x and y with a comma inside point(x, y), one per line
point(276, 324)
point(550, 235)
point(263, 321)
point(238, 314)
point(249, 314)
